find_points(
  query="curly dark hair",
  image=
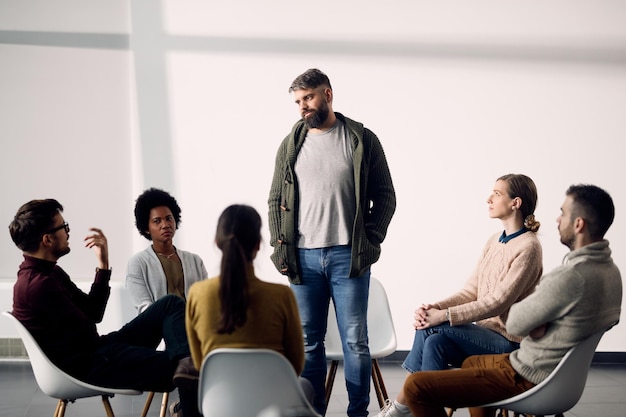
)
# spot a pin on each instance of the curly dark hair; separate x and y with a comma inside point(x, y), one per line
point(149, 199)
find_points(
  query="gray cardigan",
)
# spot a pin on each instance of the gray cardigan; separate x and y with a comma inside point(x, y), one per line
point(577, 299)
point(145, 278)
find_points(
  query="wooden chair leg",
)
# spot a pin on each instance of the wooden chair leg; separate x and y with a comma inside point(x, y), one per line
point(59, 411)
point(451, 411)
point(164, 401)
point(146, 406)
point(379, 384)
point(377, 379)
point(107, 406)
point(330, 380)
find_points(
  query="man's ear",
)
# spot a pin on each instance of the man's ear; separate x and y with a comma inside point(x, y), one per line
point(328, 93)
point(46, 241)
point(579, 225)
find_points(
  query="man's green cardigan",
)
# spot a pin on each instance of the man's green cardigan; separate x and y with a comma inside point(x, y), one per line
point(374, 193)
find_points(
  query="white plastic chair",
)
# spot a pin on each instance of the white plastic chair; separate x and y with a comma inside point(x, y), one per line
point(562, 389)
point(57, 384)
point(382, 339)
point(244, 382)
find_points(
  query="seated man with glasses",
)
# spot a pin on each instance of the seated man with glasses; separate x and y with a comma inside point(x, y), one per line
point(62, 318)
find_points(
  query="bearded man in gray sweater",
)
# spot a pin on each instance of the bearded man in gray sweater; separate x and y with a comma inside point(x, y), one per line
point(574, 301)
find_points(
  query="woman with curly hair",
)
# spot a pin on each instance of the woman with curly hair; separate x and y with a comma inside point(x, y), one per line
point(161, 268)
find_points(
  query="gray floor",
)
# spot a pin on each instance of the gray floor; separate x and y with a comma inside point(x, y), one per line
point(605, 395)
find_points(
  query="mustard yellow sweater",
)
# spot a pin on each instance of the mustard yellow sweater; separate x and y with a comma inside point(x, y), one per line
point(273, 321)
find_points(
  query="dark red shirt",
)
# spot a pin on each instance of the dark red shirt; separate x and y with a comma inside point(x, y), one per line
point(60, 316)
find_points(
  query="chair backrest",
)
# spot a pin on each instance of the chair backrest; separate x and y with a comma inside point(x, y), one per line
point(562, 389)
point(381, 332)
point(53, 381)
point(243, 382)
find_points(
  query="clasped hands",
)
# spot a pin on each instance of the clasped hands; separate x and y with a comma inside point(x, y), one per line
point(428, 315)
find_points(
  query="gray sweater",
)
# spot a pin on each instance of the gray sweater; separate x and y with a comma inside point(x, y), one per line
point(145, 278)
point(576, 300)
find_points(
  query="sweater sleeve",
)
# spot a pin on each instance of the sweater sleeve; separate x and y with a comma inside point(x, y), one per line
point(274, 199)
point(137, 273)
point(193, 269)
point(554, 297)
point(468, 293)
point(191, 317)
point(497, 287)
point(294, 345)
point(76, 304)
point(380, 192)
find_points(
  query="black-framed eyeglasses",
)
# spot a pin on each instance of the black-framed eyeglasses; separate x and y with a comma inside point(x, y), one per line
point(65, 226)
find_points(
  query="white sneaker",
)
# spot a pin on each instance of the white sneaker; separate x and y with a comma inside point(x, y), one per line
point(391, 410)
point(175, 410)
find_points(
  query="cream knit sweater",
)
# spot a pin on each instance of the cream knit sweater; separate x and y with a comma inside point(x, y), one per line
point(506, 273)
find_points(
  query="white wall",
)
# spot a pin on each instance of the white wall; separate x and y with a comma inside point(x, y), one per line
point(99, 100)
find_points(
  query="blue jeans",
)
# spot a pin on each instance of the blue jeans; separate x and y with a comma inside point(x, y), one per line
point(445, 346)
point(325, 275)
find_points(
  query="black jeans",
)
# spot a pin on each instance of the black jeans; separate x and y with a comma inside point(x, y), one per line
point(128, 357)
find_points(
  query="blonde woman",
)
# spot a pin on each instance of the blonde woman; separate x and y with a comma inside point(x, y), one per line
point(472, 321)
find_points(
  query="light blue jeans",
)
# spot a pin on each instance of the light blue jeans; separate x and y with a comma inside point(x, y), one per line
point(445, 346)
point(325, 276)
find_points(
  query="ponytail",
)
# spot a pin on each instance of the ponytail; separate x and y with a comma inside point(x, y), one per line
point(238, 236)
point(233, 286)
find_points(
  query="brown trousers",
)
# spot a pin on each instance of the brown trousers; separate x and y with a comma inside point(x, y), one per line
point(481, 380)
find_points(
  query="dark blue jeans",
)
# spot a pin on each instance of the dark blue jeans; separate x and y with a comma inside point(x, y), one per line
point(442, 346)
point(128, 358)
point(325, 276)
